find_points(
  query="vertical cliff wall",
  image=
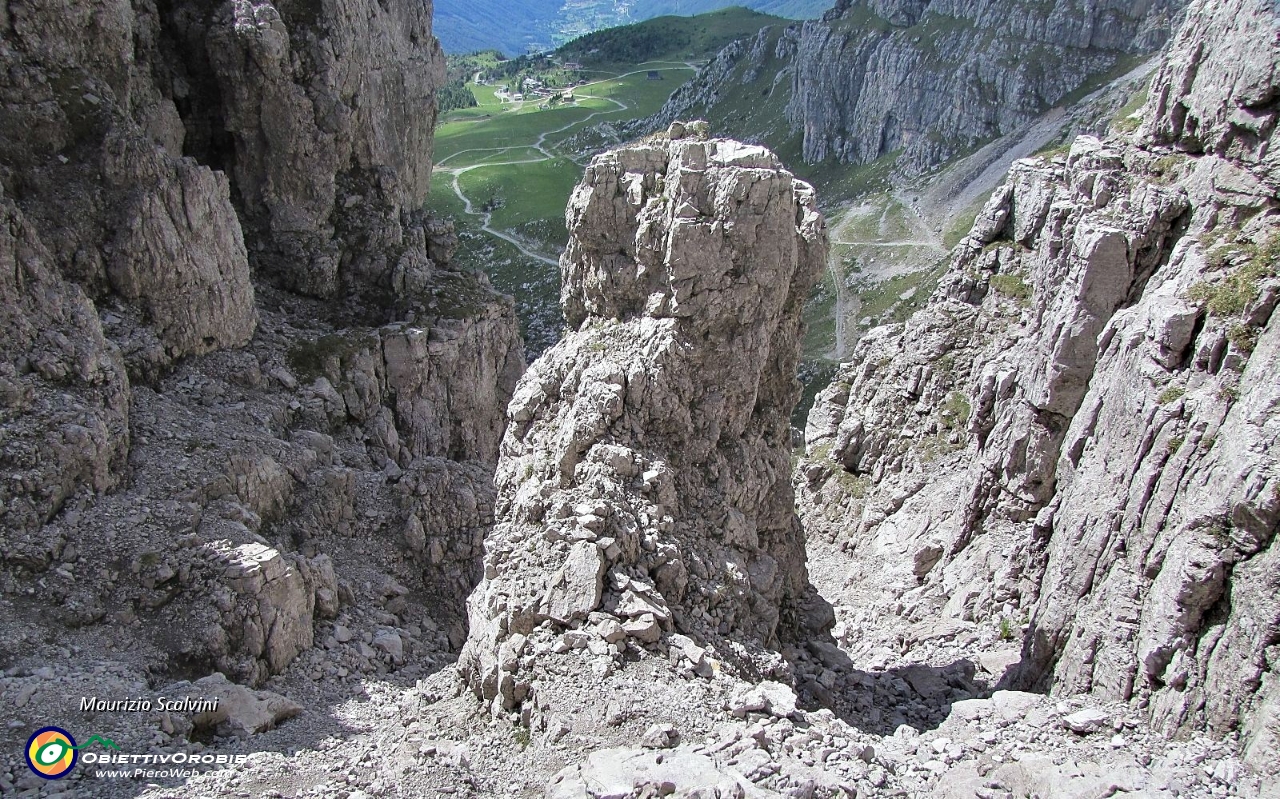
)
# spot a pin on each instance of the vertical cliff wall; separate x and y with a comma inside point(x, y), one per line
point(330, 105)
point(933, 79)
point(921, 81)
point(91, 153)
point(1079, 431)
point(320, 113)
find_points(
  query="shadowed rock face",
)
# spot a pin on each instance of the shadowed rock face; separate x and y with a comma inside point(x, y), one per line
point(64, 439)
point(1081, 427)
point(643, 478)
point(331, 109)
point(91, 148)
point(314, 119)
point(157, 159)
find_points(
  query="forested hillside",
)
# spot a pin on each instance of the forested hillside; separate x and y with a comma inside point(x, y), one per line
point(516, 26)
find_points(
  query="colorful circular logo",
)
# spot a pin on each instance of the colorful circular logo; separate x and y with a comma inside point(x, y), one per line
point(51, 752)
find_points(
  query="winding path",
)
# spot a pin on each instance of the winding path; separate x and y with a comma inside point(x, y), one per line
point(930, 209)
point(487, 216)
point(845, 306)
point(541, 146)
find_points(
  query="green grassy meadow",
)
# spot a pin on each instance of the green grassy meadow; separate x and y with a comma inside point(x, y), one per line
point(518, 162)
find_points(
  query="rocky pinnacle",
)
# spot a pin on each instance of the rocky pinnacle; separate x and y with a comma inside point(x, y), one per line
point(643, 481)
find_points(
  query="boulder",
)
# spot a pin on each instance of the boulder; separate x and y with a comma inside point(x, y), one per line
point(772, 698)
point(631, 772)
point(1087, 721)
point(239, 710)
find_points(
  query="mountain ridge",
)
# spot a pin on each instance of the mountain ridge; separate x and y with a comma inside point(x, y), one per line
point(917, 82)
point(519, 27)
point(1075, 437)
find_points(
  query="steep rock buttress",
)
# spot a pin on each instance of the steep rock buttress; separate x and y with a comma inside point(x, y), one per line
point(180, 183)
point(643, 483)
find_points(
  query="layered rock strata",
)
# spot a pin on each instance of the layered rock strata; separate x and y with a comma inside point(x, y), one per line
point(643, 483)
point(920, 81)
point(1078, 434)
point(936, 76)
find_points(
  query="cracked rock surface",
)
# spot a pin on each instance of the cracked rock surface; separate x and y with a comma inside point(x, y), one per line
point(1075, 442)
point(643, 483)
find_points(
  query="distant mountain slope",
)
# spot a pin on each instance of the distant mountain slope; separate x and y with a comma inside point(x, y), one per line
point(516, 26)
point(669, 37)
point(464, 26)
point(917, 82)
point(795, 9)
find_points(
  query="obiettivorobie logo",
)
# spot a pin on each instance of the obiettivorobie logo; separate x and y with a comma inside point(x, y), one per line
point(52, 751)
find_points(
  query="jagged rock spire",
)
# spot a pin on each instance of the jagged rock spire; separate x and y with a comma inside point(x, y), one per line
point(643, 483)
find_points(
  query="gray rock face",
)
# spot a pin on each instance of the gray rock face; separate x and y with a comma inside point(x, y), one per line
point(923, 81)
point(936, 78)
point(448, 508)
point(240, 711)
point(180, 257)
point(268, 611)
point(419, 390)
point(64, 395)
point(150, 152)
point(92, 152)
point(644, 471)
point(320, 114)
point(1215, 91)
point(1202, 640)
point(1081, 426)
point(331, 110)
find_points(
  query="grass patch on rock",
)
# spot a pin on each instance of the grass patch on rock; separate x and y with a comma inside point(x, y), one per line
point(1011, 286)
point(323, 357)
